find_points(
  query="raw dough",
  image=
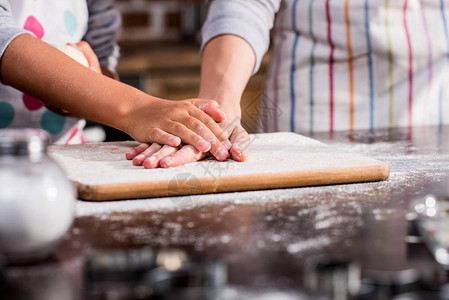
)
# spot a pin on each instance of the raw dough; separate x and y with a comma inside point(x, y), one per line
point(74, 54)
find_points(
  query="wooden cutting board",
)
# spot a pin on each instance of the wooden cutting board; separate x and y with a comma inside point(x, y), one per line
point(276, 160)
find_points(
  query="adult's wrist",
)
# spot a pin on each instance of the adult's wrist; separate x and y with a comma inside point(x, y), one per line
point(229, 103)
point(232, 112)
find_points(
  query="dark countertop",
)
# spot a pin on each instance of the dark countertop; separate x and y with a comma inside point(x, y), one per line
point(264, 244)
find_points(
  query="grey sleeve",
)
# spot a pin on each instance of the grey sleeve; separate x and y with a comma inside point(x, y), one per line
point(9, 30)
point(104, 22)
point(251, 20)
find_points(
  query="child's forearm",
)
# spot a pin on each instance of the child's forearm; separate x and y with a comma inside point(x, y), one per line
point(44, 72)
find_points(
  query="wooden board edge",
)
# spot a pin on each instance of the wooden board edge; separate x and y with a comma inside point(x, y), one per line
point(195, 186)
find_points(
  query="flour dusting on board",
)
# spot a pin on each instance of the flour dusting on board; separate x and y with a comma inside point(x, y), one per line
point(299, 221)
point(270, 154)
point(407, 170)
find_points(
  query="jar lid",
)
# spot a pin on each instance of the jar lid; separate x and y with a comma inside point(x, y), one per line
point(23, 142)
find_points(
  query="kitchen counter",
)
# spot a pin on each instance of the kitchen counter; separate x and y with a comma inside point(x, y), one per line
point(276, 244)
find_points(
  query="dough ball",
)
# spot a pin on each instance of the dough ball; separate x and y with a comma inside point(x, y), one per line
point(74, 54)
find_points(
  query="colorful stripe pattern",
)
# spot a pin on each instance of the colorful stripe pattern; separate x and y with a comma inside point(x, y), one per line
point(365, 73)
point(410, 66)
point(312, 68)
point(429, 55)
point(443, 16)
point(350, 66)
point(277, 69)
point(293, 68)
point(331, 66)
point(266, 110)
point(370, 63)
point(390, 67)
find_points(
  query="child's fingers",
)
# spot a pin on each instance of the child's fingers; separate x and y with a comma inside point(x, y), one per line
point(189, 136)
point(136, 151)
point(210, 107)
point(217, 149)
point(153, 161)
point(139, 159)
point(159, 136)
point(185, 155)
point(240, 144)
point(239, 153)
point(90, 55)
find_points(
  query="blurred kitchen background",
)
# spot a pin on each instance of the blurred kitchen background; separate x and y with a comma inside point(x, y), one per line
point(159, 43)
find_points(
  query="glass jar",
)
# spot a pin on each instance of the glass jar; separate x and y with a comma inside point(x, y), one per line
point(37, 202)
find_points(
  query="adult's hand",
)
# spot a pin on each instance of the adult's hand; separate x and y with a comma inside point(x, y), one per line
point(227, 64)
point(190, 121)
point(238, 136)
point(157, 156)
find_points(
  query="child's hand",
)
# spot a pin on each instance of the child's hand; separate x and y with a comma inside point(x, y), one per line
point(89, 54)
point(172, 122)
point(156, 156)
point(151, 156)
point(41, 71)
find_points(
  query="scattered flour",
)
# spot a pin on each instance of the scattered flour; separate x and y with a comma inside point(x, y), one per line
point(309, 244)
point(271, 154)
point(312, 217)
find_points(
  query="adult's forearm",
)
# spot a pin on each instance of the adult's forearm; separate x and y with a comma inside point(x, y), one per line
point(45, 73)
point(227, 64)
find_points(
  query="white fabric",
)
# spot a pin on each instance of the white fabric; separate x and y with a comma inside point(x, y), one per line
point(62, 22)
